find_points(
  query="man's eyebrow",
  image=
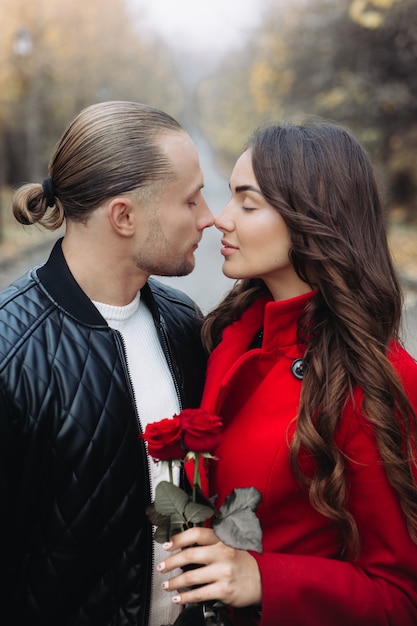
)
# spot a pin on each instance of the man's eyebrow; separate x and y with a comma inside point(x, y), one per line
point(243, 188)
point(191, 193)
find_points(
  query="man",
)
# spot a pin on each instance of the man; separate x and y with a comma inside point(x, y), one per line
point(90, 351)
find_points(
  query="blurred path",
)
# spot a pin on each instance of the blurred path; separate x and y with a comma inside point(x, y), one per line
point(13, 267)
point(206, 284)
point(409, 322)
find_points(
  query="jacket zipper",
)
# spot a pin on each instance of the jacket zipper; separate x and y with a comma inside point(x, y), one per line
point(165, 348)
point(164, 343)
point(122, 348)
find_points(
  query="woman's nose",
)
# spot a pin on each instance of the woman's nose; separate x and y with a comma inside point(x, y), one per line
point(223, 221)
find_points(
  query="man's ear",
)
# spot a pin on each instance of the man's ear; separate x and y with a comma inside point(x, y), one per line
point(120, 213)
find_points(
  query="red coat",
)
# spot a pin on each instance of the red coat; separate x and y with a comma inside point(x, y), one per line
point(303, 583)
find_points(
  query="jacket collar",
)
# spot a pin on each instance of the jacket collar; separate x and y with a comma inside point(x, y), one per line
point(55, 276)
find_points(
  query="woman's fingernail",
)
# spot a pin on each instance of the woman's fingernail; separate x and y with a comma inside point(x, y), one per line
point(160, 567)
point(176, 599)
point(167, 545)
point(165, 585)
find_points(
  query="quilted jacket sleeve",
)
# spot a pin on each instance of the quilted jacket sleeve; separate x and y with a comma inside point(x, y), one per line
point(7, 453)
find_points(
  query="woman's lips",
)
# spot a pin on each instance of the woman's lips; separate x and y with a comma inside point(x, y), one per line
point(227, 248)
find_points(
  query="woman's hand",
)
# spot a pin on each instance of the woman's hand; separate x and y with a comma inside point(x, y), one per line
point(225, 574)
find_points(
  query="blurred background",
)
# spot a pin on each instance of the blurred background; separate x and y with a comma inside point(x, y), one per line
point(221, 67)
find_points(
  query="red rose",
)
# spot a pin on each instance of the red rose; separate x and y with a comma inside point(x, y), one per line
point(201, 430)
point(164, 439)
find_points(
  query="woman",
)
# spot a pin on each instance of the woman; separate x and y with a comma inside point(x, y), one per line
point(317, 395)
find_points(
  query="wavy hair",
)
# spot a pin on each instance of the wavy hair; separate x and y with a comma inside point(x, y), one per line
point(110, 148)
point(321, 181)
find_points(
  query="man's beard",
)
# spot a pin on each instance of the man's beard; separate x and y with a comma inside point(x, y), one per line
point(163, 268)
point(158, 259)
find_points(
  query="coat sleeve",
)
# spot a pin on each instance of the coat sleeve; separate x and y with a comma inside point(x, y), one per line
point(380, 588)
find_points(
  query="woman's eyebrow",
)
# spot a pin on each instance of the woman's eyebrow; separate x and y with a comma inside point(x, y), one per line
point(243, 188)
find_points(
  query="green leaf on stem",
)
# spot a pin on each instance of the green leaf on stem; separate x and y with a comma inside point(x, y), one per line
point(173, 511)
point(156, 518)
point(162, 533)
point(170, 499)
point(236, 523)
point(196, 513)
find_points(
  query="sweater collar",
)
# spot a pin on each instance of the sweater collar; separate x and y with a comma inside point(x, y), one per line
point(118, 313)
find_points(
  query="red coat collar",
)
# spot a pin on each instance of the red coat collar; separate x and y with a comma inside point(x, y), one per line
point(279, 321)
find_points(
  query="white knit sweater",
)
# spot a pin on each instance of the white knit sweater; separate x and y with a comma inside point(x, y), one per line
point(156, 398)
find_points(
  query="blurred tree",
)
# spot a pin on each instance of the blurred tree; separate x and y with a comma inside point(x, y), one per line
point(353, 61)
point(363, 73)
point(226, 106)
point(80, 53)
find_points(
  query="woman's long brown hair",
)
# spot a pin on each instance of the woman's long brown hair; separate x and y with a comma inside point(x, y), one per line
point(321, 181)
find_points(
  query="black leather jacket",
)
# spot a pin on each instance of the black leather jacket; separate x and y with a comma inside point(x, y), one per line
point(74, 481)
